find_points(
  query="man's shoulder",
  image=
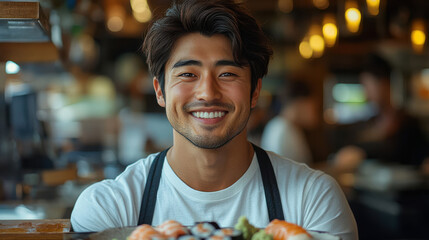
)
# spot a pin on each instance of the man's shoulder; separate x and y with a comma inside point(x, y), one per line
point(304, 178)
point(140, 167)
point(112, 199)
point(281, 161)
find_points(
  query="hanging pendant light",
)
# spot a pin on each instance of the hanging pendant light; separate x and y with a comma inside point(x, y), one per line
point(329, 30)
point(305, 49)
point(418, 35)
point(373, 7)
point(353, 16)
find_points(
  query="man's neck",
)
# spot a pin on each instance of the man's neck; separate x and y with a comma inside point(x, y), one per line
point(210, 169)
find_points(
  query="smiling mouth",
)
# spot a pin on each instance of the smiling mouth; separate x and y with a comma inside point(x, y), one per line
point(209, 115)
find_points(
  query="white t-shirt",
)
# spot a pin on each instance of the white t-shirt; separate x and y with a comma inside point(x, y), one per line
point(285, 139)
point(310, 199)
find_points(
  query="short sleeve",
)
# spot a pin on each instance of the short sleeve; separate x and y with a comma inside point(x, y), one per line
point(327, 209)
point(95, 209)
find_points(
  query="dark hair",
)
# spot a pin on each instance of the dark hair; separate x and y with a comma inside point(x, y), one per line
point(208, 17)
point(377, 66)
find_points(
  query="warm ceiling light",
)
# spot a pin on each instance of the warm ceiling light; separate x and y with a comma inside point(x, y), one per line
point(305, 49)
point(329, 30)
point(321, 4)
point(141, 10)
point(418, 35)
point(330, 33)
point(316, 41)
point(373, 7)
point(115, 16)
point(353, 17)
point(143, 16)
point(139, 5)
point(285, 6)
point(317, 44)
point(115, 24)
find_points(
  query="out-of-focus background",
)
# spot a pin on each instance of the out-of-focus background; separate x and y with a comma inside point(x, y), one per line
point(347, 92)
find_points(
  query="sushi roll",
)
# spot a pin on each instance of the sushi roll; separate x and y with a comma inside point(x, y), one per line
point(219, 237)
point(172, 229)
point(146, 232)
point(214, 224)
point(188, 237)
point(282, 230)
point(234, 234)
point(203, 230)
point(161, 237)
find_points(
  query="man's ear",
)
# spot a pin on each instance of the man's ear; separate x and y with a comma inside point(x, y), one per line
point(158, 92)
point(255, 94)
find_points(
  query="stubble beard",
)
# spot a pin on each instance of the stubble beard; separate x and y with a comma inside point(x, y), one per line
point(207, 141)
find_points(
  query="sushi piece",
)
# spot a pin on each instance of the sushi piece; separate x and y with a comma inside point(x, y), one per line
point(282, 230)
point(172, 229)
point(219, 237)
point(188, 237)
point(146, 232)
point(234, 234)
point(202, 230)
point(214, 224)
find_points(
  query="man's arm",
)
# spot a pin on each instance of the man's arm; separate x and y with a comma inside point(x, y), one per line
point(327, 209)
point(95, 210)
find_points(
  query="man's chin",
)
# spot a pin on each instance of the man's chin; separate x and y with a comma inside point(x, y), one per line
point(204, 144)
point(209, 141)
point(209, 146)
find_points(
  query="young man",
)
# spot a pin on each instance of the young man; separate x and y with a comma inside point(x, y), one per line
point(208, 58)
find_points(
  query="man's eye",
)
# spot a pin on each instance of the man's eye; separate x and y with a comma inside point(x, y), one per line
point(228, 74)
point(187, 75)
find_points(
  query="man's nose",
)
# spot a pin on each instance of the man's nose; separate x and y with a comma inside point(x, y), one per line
point(208, 88)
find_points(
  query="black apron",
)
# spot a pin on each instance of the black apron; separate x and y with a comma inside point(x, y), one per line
point(272, 196)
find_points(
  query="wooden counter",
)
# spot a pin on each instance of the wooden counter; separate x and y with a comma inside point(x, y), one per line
point(45, 236)
point(39, 229)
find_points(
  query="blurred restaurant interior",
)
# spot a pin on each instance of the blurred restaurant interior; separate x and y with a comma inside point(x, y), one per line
point(77, 103)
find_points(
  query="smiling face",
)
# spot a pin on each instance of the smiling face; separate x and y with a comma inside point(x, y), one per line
point(208, 98)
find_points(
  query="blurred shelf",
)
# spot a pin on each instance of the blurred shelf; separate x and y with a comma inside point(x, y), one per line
point(28, 52)
point(25, 33)
point(23, 22)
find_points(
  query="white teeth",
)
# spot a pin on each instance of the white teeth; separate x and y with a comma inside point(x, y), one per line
point(208, 114)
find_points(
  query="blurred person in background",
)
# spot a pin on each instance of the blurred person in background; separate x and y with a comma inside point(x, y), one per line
point(284, 134)
point(259, 117)
point(391, 135)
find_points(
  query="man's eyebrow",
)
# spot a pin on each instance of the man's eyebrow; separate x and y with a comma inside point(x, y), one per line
point(187, 63)
point(228, 63)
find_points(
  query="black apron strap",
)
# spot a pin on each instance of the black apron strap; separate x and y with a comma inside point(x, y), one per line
point(272, 194)
point(151, 189)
